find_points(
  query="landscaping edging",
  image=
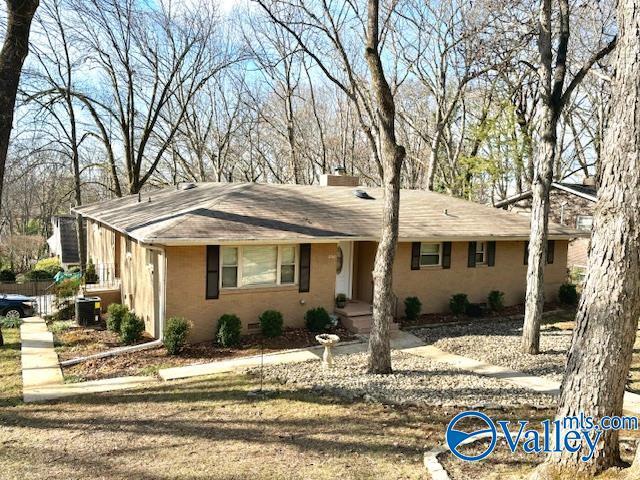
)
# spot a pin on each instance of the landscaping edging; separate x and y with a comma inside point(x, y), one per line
point(42, 377)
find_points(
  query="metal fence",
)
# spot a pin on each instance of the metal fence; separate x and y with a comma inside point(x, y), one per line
point(40, 290)
point(49, 298)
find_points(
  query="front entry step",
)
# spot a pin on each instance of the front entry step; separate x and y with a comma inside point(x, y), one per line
point(357, 316)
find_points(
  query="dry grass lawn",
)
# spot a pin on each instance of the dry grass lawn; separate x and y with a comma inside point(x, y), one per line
point(10, 374)
point(211, 429)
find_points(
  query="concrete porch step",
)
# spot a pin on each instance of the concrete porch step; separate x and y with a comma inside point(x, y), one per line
point(362, 324)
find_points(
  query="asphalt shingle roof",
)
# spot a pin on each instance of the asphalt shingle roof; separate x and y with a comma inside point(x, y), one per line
point(232, 212)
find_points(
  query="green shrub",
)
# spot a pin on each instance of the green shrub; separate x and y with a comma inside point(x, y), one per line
point(75, 269)
point(567, 294)
point(35, 275)
point(90, 275)
point(51, 265)
point(7, 276)
point(271, 323)
point(115, 314)
point(458, 303)
point(175, 334)
point(412, 307)
point(474, 310)
point(496, 300)
point(67, 288)
point(229, 328)
point(341, 300)
point(10, 322)
point(131, 328)
point(317, 319)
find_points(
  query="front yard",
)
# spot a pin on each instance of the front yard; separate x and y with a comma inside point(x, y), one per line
point(73, 341)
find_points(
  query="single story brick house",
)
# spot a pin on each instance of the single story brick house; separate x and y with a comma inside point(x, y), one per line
point(202, 250)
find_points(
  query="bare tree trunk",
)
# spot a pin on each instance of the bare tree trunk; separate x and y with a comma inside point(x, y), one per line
point(545, 154)
point(534, 302)
point(607, 318)
point(391, 156)
point(14, 51)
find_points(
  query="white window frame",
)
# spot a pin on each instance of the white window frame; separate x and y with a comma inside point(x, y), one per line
point(239, 269)
point(482, 251)
point(431, 265)
point(578, 218)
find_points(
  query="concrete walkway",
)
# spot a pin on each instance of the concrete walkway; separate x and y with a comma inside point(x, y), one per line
point(42, 377)
point(531, 382)
point(399, 341)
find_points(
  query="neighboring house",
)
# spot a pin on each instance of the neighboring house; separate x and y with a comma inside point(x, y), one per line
point(571, 205)
point(63, 243)
point(202, 250)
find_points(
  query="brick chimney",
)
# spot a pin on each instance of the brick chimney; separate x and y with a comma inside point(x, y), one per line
point(339, 179)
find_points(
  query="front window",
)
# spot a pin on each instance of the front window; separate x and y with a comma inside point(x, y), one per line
point(481, 252)
point(430, 254)
point(584, 222)
point(229, 267)
point(260, 265)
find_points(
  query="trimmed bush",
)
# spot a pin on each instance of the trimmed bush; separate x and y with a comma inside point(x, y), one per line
point(115, 314)
point(567, 294)
point(7, 276)
point(131, 328)
point(474, 310)
point(229, 328)
point(175, 334)
point(458, 303)
point(496, 300)
point(51, 265)
point(317, 319)
point(35, 275)
point(271, 323)
point(90, 275)
point(412, 307)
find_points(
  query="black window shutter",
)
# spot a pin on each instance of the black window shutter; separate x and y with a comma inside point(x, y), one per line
point(471, 263)
point(446, 254)
point(415, 256)
point(551, 251)
point(304, 280)
point(491, 253)
point(526, 253)
point(213, 271)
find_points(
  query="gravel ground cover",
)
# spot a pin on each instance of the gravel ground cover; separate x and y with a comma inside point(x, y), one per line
point(415, 381)
point(498, 343)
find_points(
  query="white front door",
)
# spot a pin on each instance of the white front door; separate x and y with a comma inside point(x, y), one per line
point(344, 268)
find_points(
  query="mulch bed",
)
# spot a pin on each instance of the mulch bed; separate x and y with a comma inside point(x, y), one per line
point(148, 362)
point(438, 318)
point(79, 341)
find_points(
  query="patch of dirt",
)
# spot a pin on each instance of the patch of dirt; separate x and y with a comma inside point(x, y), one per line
point(148, 362)
point(437, 318)
point(79, 341)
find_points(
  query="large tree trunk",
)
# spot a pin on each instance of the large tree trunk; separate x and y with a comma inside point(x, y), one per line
point(14, 51)
point(607, 319)
point(391, 157)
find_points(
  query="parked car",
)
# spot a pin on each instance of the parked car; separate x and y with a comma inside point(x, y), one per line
point(17, 306)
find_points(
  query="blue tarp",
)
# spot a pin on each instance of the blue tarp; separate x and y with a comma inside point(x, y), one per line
point(60, 276)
